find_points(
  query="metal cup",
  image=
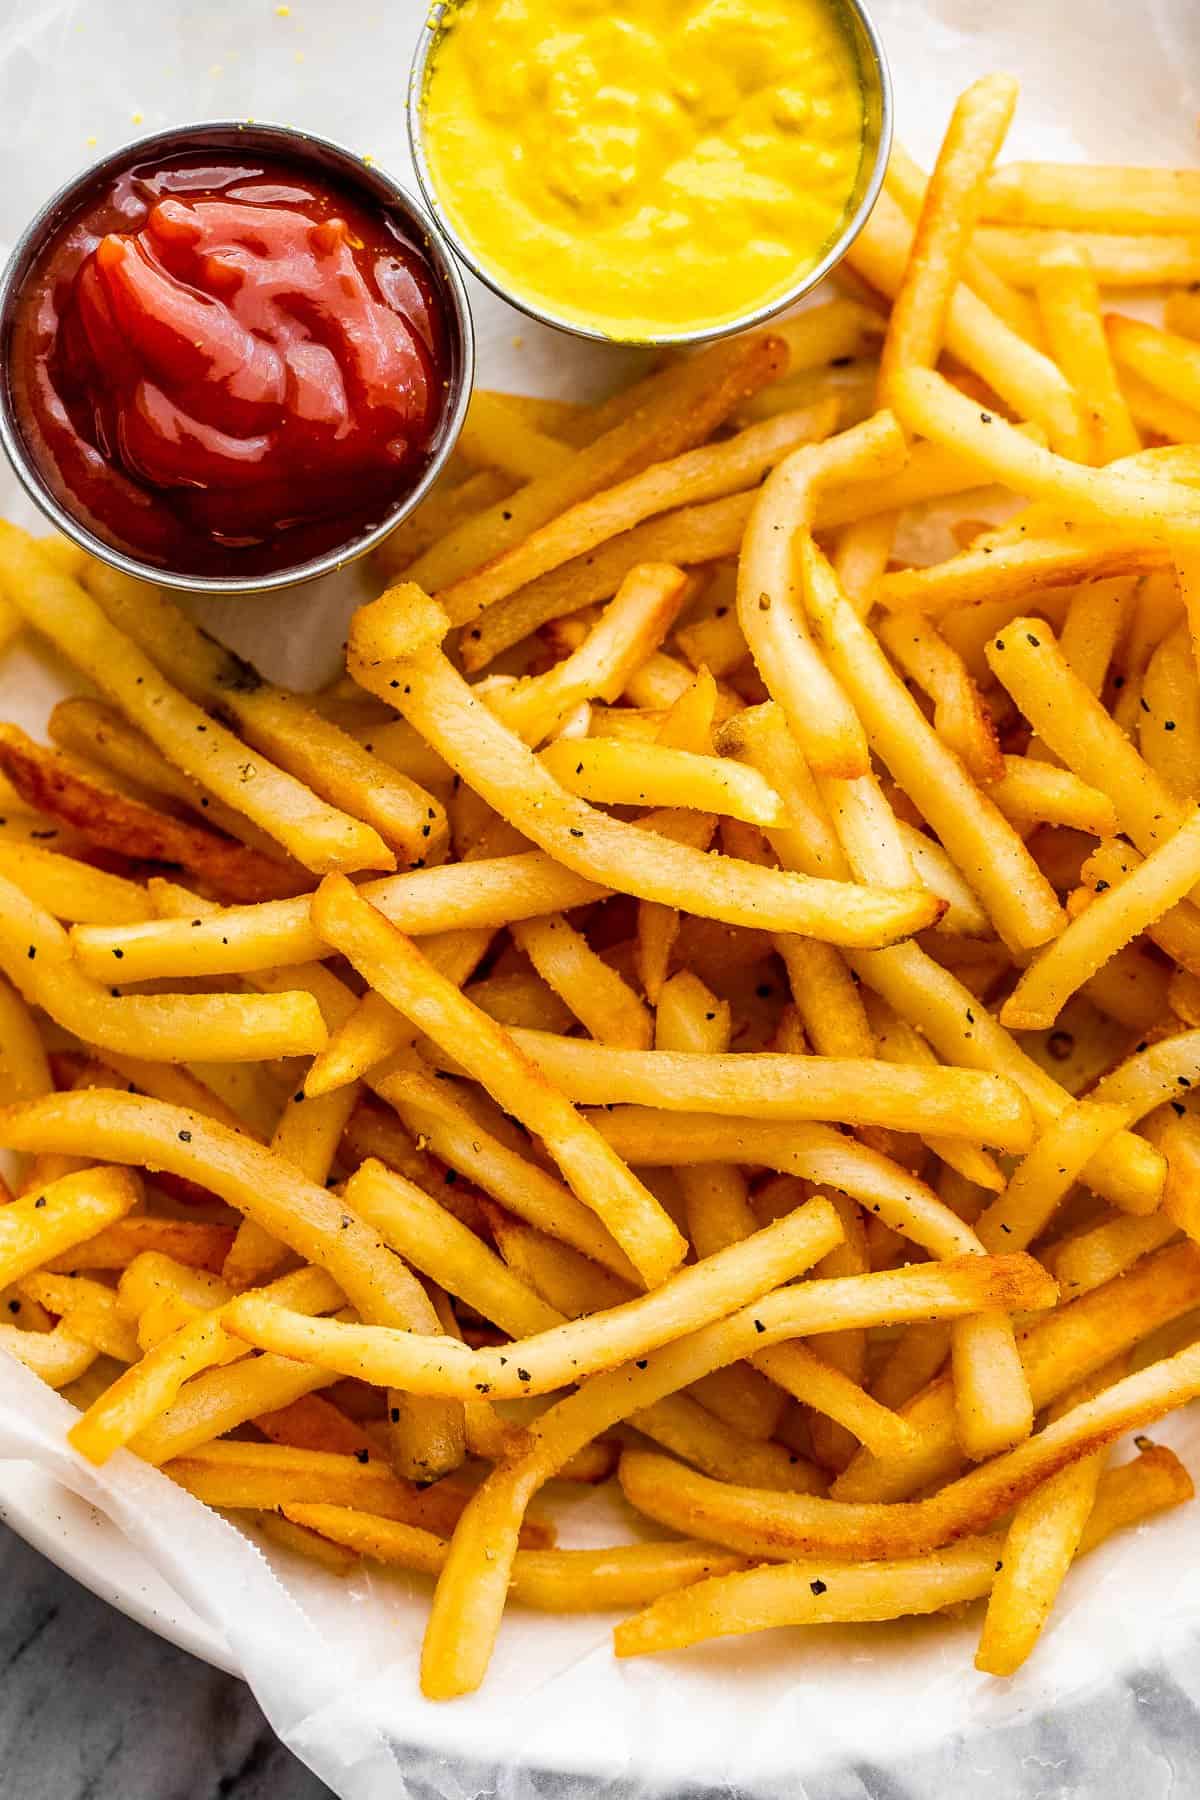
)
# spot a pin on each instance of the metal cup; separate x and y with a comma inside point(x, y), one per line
point(877, 143)
point(302, 147)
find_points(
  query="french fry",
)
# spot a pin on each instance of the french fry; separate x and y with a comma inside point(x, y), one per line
point(1144, 259)
point(1114, 918)
point(1057, 1351)
point(470, 1594)
point(71, 890)
point(1009, 571)
point(494, 435)
point(318, 835)
point(110, 821)
point(770, 609)
point(1068, 298)
point(677, 409)
point(832, 1591)
point(1154, 411)
point(787, 1525)
point(42, 1225)
point(628, 631)
point(1153, 506)
point(620, 773)
point(605, 1005)
point(249, 940)
point(1094, 196)
point(398, 971)
point(1033, 793)
point(1093, 1257)
point(24, 1068)
point(314, 1223)
point(439, 515)
point(563, 1353)
point(1045, 1176)
point(861, 1091)
point(701, 534)
point(500, 768)
point(1032, 385)
point(697, 475)
point(944, 226)
point(1039, 1547)
point(907, 183)
point(1182, 312)
point(563, 1581)
point(58, 1356)
point(960, 717)
point(273, 720)
point(35, 954)
point(100, 734)
point(995, 861)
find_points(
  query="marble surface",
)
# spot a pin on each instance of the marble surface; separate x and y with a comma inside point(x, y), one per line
point(94, 1707)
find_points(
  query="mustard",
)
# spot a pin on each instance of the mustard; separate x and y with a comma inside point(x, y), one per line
point(649, 170)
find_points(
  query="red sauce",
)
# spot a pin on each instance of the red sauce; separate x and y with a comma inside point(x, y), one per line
point(227, 365)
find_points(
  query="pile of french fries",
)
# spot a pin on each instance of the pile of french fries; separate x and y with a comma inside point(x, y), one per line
point(711, 996)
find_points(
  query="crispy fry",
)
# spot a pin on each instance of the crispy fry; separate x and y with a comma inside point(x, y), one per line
point(697, 475)
point(500, 768)
point(949, 210)
point(1114, 918)
point(860, 1091)
point(1092, 196)
point(1022, 904)
point(274, 720)
point(830, 1591)
point(318, 835)
point(605, 1005)
point(72, 890)
point(471, 1590)
point(397, 969)
point(35, 953)
point(1145, 259)
point(543, 1362)
point(621, 773)
point(24, 1069)
point(770, 608)
point(110, 821)
point(676, 409)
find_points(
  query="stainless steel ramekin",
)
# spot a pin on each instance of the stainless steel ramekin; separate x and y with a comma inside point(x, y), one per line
point(877, 96)
point(299, 146)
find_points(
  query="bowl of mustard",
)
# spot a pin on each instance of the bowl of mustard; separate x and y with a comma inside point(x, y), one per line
point(662, 173)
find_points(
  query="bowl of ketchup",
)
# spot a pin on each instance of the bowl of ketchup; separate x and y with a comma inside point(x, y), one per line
point(231, 357)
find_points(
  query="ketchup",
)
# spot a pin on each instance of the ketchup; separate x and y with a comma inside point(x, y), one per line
point(229, 365)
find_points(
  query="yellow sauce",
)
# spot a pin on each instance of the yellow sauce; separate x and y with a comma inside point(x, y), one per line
point(645, 170)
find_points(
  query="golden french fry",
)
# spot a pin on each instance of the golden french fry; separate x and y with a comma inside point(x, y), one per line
point(1028, 381)
point(697, 475)
point(1155, 506)
point(397, 969)
point(1144, 259)
point(831, 1591)
point(499, 767)
point(1068, 297)
point(564, 1352)
point(43, 1224)
point(471, 1590)
point(770, 609)
point(318, 835)
point(1083, 196)
point(997, 864)
point(71, 890)
point(1057, 1351)
point(597, 995)
point(107, 820)
point(677, 408)
point(624, 773)
point(24, 1068)
point(35, 954)
point(863, 1091)
point(273, 720)
point(944, 226)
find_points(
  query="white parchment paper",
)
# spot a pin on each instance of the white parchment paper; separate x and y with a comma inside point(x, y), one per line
point(831, 1715)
